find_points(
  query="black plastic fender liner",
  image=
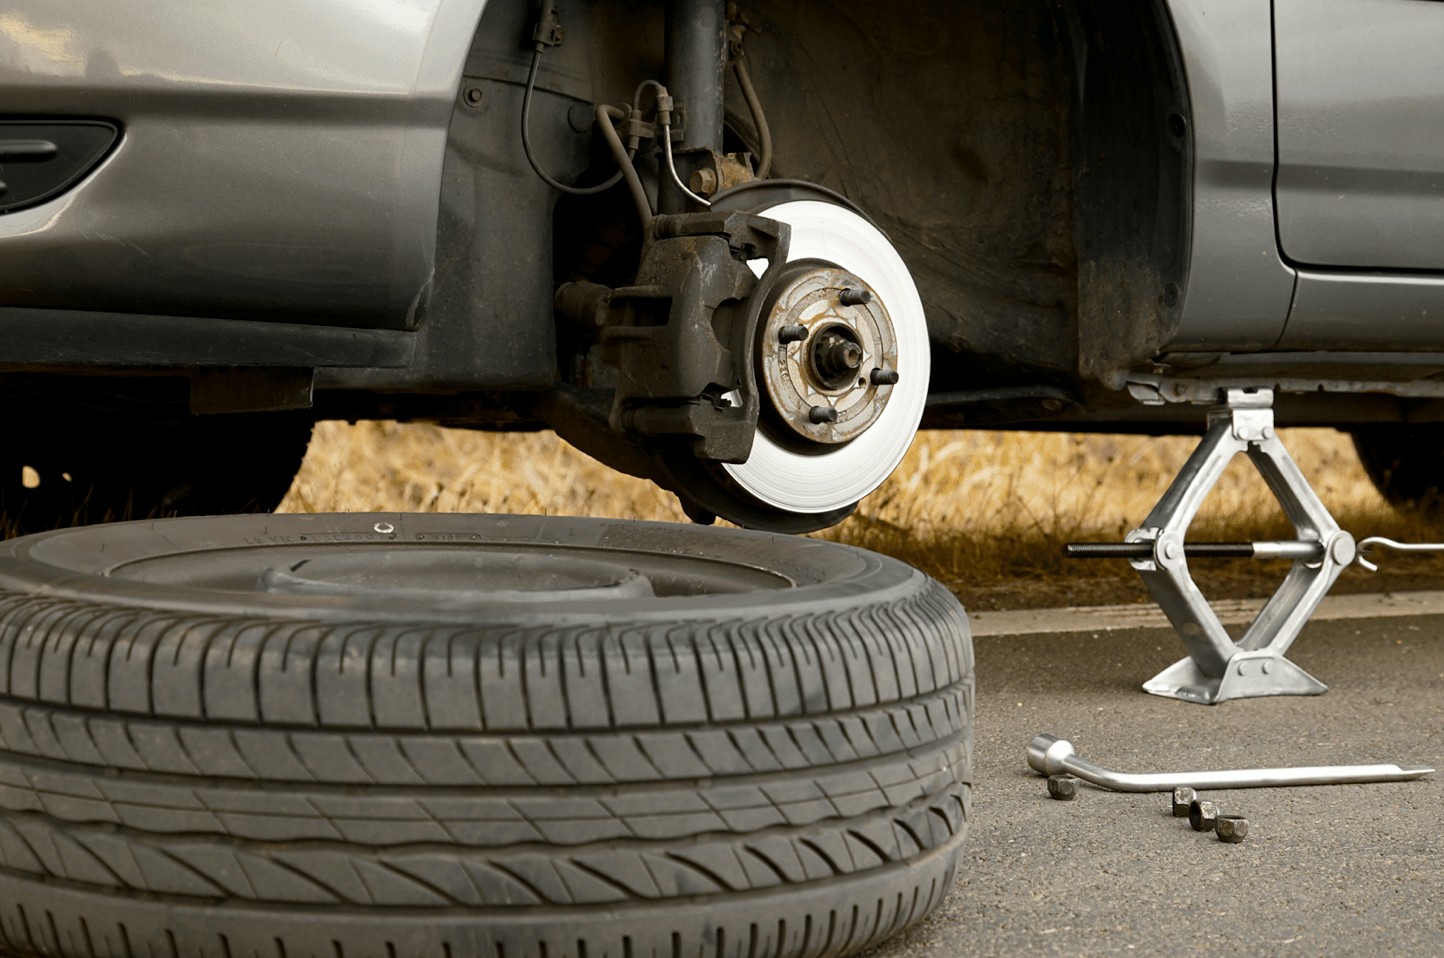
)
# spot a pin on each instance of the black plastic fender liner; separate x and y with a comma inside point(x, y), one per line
point(497, 735)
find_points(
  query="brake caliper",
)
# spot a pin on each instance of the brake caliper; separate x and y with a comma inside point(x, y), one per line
point(681, 336)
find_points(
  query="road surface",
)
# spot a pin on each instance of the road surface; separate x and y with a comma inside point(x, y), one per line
point(1326, 870)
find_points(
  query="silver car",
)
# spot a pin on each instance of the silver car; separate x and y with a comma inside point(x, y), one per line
point(223, 222)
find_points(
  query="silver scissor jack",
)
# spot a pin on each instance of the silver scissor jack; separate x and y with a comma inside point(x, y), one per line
point(1219, 668)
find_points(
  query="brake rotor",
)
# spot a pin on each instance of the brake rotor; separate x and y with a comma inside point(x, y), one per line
point(844, 377)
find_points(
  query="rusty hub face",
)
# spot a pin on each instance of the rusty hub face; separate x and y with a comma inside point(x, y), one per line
point(828, 354)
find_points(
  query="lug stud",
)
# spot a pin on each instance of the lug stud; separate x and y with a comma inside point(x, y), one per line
point(792, 334)
point(884, 377)
point(854, 297)
point(822, 414)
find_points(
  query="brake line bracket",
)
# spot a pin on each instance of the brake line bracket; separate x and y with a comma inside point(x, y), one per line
point(1218, 668)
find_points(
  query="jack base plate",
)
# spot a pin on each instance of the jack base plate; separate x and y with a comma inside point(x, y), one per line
point(1249, 675)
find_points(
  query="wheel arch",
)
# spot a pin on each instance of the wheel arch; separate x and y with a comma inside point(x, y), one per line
point(1133, 174)
point(1019, 156)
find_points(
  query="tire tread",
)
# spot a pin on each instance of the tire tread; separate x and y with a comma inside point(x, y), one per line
point(794, 783)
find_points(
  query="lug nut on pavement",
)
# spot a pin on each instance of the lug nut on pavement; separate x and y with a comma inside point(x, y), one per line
point(1231, 828)
point(1063, 787)
point(1183, 796)
point(1202, 815)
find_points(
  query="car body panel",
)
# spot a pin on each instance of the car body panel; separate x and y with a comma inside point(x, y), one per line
point(279, 159)
point(1239, 288)
point(1345, 311)
point(1361, 132)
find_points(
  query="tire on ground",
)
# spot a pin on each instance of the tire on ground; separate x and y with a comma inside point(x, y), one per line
point(204, 752)
point(1406, 464)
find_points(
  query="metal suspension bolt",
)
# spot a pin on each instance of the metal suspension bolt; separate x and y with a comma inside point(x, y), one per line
point(1183, 796)
point(792, 334)
point(822, 414)
point(1231, 828)
point(854, 297)
point(1063, 787)
point(884, 377)
point(703, 181)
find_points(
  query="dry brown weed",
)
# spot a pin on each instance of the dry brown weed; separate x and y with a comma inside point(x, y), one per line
point(979, 510)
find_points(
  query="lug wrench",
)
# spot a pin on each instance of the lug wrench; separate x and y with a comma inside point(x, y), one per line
point(1367, 545)
point(1050, 755)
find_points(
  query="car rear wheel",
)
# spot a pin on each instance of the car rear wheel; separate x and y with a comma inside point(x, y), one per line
point(1406, 464)
point(417, 735)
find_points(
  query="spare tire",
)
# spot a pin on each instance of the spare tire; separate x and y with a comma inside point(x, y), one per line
point(445, 735)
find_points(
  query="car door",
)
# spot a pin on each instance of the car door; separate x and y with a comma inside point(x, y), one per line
point(1361, 132)
point(277, 159)
point(1359, 193)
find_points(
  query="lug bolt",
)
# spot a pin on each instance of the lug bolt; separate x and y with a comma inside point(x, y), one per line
point(1231, 828)
point(703, 182)
point(854, 297)
point(1063, 787)
point(1202, 815)
point(1183, 796)
point(792, 334)
point(884, 377)
point(822, 414)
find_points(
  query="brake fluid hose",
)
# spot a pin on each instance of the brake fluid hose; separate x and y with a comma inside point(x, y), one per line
point(605, 115)
point(526, 139)
point(754, 105)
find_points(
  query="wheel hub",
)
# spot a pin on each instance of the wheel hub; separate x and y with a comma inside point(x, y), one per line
point(828, 354)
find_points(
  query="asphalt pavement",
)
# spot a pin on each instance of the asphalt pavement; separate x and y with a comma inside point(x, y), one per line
point(1326, 870)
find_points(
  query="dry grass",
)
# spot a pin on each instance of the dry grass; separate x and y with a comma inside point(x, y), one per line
point(984, 512)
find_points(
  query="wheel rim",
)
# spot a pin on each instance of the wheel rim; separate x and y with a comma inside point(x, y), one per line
point(459, 575)
point(831, 476)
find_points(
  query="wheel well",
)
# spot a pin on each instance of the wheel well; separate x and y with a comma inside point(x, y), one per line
point(1019, 156)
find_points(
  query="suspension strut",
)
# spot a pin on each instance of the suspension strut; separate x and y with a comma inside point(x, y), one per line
point(696, 66)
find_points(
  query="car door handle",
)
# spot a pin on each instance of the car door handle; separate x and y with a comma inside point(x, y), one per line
point(27, 150)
